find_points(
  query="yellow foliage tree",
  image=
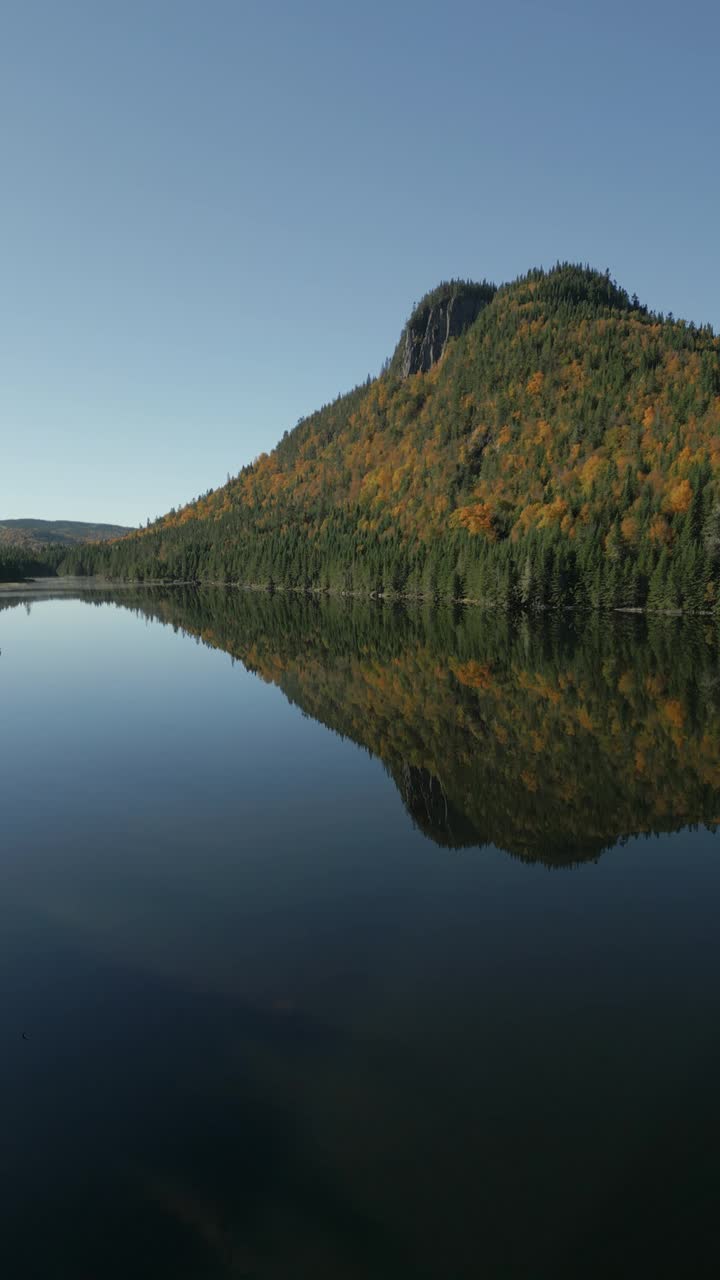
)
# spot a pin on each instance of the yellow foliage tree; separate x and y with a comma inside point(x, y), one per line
point(680, 497)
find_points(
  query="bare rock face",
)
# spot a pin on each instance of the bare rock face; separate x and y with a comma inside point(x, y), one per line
point(431, 327)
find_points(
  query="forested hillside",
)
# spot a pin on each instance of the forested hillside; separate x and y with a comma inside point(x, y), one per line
point(38, 534)
point(549, 442)
point(33, 548)
point(18, 562)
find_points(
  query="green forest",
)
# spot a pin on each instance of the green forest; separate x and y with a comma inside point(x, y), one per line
point(563, 449)
point(34, 548)
point(18, 563)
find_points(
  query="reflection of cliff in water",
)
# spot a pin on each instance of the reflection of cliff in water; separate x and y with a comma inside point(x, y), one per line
point(430, 807)
point(552, 739)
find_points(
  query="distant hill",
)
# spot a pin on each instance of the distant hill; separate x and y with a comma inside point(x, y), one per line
point(38, 534)
point(550, 442)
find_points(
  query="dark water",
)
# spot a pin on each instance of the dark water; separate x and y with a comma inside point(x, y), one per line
point(387, 949)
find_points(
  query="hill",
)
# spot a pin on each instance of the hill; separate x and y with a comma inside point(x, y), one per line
point(32, 548)
point(545, 443)
point(37, 534)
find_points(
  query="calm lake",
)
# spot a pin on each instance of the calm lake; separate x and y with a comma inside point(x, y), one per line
point(340, 940)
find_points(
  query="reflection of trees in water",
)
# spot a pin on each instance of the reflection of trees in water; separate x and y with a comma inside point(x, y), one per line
point(551, 738)
point(429, 807)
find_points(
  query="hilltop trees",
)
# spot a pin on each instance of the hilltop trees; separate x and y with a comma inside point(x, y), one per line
point(565, 449)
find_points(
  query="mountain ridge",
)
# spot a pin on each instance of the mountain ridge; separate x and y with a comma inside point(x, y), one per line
point(38, 533)
point(556, 444)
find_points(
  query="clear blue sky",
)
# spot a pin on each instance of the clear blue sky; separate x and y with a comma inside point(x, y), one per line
point(217, 214)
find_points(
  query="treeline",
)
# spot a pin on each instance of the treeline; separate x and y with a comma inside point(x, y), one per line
point(564, 451)
point(18, 563)
point(542, 571)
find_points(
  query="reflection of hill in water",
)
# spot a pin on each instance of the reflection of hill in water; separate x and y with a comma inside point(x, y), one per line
point(552, 740)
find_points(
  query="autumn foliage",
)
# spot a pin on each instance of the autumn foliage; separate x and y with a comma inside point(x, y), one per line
point(564, 449)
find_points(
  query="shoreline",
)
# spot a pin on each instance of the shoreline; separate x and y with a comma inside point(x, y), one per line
point(44, 586)
point(40, 587)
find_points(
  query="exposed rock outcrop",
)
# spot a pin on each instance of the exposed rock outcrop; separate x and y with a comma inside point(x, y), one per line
point(444, 314)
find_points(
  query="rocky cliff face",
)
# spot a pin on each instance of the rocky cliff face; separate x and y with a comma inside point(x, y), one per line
point(433, 324)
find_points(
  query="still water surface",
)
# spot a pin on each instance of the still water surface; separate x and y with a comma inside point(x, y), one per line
point(385, 946)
